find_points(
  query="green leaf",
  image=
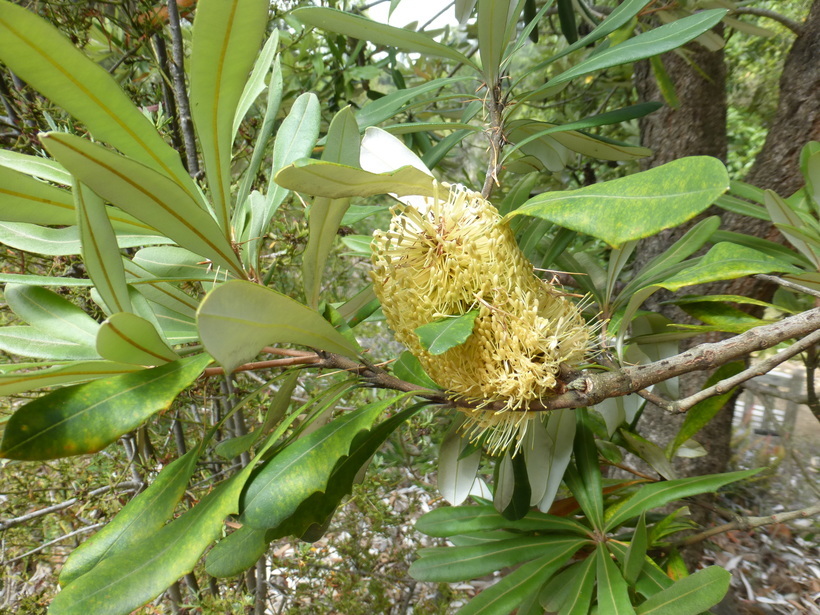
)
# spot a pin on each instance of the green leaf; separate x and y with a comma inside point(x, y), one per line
point(50, 313)
point(25, 199)
point(636, 554)
point(561, 427)
point(613, 594)
point(566, 17)
point(159, 292)
point(312, 517)
point(226, 39)
point(61, 241)
point(230, 449)
point(380, 34)
point(100, 251)
point(651, 453)
point(727, 261)
point(513, 589)
point(512, 487)
point(636, 206)
point(586, 459)
point(656, 41)
point(664, 81)
point(36, 166)
point(451, 564)
point(36, 344)
point(237, 319)
point(127, 338)
point(146, 194)
point(658, 494)
point(45, 59)
point(172, 262)
point(123, 582)
point(294, 140)
point(326, 214)
point(88, 417)
point(456, 474)
point(137, 521)
point(652, 579)
point(389, 105)
point(408, 368)
point(304, 467)
point(275, 88)
point(236, 552)
point(30, 376)
point(690, 595)
point(784, 217)
point(493, 22)
point(701, 413)
point(456, 520)
point(576, 586)
point(438, 337)
point(265, 63)
point(337, 181)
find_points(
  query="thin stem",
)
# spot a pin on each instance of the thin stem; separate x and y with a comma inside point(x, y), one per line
point(748, 523)
point(794, 26)
point(177, 67)
point(787, 284)
point(82, 530)
point(496, 137)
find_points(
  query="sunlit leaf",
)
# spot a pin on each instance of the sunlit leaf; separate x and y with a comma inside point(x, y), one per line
point(561, 432)
point(30, 376)
point(45, 59)
point(63, 241)
point(338, 181)
point(236, 552)
point(226, 39)
point(86, 418)
point(36, 166)
point(121, 583)
point(37, 344)
point(570, 593)
point(726, 261)
point(636, 206)
point(127, 338)
point(146, 194)
point(50, 313)
point(303, 468)
point(101, 254)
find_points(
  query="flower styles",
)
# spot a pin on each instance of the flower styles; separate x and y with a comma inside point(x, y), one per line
point(454, 256)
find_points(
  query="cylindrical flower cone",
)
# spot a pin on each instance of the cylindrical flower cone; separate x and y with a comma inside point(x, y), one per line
point(457, 257)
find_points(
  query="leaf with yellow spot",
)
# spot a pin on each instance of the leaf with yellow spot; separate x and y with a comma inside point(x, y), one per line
point(88, 417)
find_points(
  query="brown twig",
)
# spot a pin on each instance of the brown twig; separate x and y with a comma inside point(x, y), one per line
point(496, 136)
point(748, 523)
point(787, 284)
point(794, 26)
point(178, 74)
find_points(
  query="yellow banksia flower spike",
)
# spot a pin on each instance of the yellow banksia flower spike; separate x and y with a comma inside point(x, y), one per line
point(455, 256)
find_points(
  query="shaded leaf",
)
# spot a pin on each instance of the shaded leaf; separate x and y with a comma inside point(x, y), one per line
point(270, 499)
point(456, 474)
point(451, 564)
point(658, 494)
point(137, 521)
point(380, 34)
point(455, 520)
point(408, 368)
point(438, 337)
point(613, 594)
point(651, 453)
point(561, 432)
point(636, 553)
point(237, 552)
point(88, 417)
point(237, 319)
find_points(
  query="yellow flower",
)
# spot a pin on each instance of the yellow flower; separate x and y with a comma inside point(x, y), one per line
point(454, 255)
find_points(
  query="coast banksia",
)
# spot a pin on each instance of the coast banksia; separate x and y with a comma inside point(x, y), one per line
point(453, 256)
